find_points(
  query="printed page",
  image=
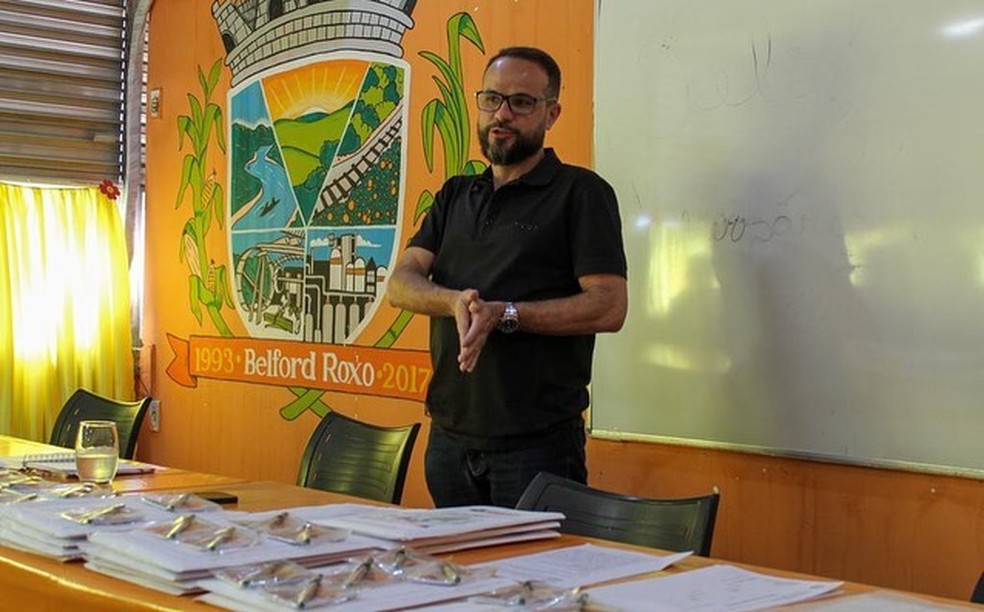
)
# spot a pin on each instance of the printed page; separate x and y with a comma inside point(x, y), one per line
point(710, 589)
point(578, 566)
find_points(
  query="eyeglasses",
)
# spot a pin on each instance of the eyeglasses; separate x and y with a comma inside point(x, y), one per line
point(519, 103)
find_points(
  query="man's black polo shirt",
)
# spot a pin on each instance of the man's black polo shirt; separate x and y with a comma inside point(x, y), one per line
point(529, 240)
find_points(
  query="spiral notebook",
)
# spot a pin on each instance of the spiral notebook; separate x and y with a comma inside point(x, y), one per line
point(64, 464)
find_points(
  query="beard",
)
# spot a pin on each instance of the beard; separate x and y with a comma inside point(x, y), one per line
point(523, 146)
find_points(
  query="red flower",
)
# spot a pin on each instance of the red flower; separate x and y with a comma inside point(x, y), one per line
point(109, 189)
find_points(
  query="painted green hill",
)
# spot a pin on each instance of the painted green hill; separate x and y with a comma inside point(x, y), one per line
point(309, 133)
point(300, 162)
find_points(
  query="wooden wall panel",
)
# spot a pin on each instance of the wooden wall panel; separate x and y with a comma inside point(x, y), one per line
point(904, 530)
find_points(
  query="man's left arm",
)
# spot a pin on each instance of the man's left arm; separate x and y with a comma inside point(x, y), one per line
point(595, 239)
point(601, 306)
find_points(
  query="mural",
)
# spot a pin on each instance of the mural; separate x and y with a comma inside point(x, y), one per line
point(315, 201)
point(315, 197)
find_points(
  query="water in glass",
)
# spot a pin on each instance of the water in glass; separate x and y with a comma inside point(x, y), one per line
point(97, 451)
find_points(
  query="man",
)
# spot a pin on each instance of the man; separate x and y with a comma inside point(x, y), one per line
point(518, 268)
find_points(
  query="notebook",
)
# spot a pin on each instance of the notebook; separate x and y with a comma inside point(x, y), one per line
point(63, 464)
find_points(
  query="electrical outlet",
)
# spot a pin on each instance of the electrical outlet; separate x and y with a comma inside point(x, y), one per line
point(154, 103)
point(154, 415)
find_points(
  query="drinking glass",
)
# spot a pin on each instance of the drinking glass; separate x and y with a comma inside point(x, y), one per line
point(97, 450)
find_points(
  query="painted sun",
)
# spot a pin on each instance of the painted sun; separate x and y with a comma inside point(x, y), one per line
point(319, 87)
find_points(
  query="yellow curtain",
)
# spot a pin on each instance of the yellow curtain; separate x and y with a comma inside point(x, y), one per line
point(64, 304)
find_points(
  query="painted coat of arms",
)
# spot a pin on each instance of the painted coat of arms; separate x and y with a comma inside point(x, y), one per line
point(317, 121)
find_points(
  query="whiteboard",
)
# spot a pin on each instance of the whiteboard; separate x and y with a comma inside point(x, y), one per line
point(802, 192)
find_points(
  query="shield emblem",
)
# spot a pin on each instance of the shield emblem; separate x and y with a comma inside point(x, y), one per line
point(316, 157)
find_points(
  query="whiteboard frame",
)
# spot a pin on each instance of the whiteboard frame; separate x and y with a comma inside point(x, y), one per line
point(886, 464)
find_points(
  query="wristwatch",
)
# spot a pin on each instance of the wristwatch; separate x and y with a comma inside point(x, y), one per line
point(510, 319)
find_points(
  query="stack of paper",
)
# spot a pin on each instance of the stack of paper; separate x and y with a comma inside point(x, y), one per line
point(147, 556)
point(57, 528)
point(447, 529)
point(394, 595)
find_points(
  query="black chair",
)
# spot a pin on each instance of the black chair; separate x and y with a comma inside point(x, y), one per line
point(671, 524)
point(978, 594)
point(355, 458)
point(85, 405)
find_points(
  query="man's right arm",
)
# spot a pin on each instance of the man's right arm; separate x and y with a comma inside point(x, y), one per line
point(410, 287)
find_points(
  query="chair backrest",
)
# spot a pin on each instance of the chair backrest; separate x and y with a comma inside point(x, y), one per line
point(978, 595)
point(355, 458)
point(85, 405)
point(671, 524)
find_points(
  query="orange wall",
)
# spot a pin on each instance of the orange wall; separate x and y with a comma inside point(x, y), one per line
point(897, 529)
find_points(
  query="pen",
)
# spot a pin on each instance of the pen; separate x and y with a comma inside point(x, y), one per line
point(451, 573)
point(91, 516)
point(180, 524)
point(279, 520)
point(74, 490)
point(220, 536)
point(357, 574)
point(269, 572)
point(304, 533)
point(309, 590)
point(176, 501)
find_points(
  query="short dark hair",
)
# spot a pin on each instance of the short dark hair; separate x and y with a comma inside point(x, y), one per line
point(539, 57)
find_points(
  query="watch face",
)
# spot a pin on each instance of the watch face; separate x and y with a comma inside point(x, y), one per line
point(508, 326)
point(510, 319)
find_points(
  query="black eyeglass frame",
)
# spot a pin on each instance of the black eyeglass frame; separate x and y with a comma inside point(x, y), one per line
point(508, 99)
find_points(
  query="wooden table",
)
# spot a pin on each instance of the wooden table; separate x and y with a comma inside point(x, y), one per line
point(32, 582)
point(10, 445)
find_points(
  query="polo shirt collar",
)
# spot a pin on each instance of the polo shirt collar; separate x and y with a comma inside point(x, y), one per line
point(541, 174)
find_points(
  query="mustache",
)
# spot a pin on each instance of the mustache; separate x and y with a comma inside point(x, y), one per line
point(501, 126)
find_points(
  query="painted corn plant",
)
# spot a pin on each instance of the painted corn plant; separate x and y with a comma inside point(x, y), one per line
point(208, 285)
point(448, 115)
